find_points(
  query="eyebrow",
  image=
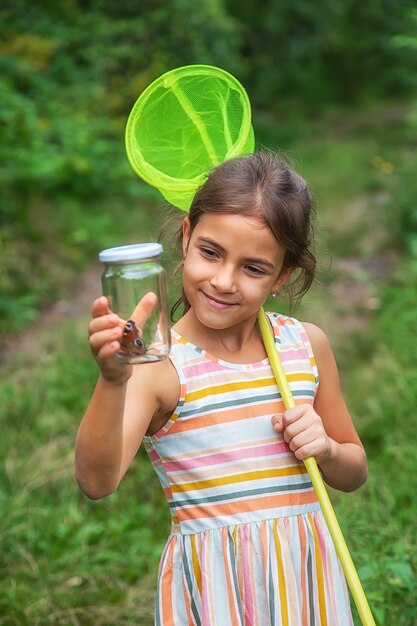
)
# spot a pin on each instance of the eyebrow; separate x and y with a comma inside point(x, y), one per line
point(249, 260)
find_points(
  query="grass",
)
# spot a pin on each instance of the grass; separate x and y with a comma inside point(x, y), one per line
point(382, 393)
point(68, 561)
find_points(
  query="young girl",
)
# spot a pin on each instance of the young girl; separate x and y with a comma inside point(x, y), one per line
point(249, 545)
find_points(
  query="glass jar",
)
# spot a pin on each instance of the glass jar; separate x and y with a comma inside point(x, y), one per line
point(131, 272)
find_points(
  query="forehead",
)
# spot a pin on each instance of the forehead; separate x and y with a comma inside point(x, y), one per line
point(248, 236)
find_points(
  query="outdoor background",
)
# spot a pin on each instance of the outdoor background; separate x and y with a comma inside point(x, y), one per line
point(333, 84)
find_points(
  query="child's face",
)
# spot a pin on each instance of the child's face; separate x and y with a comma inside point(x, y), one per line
point(232, 265)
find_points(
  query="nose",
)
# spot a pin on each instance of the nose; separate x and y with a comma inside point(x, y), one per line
point(224, 279)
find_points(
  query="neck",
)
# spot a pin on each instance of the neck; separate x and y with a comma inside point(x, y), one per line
point(242, 341)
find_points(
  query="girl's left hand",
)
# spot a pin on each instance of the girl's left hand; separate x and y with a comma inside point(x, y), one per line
point(304, 432)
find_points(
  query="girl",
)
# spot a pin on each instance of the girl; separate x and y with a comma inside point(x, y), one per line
point(249, 545)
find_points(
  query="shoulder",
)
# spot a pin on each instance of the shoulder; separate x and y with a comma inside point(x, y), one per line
point(309, 332)
point(321, 347)
point(317, 337)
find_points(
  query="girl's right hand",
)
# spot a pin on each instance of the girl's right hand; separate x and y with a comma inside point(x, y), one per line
point(105, 332)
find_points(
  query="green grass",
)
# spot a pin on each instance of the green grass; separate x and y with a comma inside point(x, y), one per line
point(66, 560)
point(382, 391)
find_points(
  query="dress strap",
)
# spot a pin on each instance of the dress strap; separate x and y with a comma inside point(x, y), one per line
point(289, 330)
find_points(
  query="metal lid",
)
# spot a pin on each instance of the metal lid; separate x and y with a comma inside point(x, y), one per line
point(134, 252)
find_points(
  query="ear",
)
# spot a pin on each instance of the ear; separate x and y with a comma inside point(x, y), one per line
point(186, 234)
point(282, 278)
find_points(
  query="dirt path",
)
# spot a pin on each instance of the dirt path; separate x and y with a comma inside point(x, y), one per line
point(49, 321)
point(355, 289)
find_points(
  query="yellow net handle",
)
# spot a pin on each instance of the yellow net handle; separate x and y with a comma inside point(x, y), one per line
point(342, 550)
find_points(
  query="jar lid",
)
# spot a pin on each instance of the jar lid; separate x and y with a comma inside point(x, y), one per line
point(133, 252)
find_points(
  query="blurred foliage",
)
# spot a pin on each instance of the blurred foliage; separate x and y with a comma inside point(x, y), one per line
point(403, 207)
point(69, 74)
point(313, 53)
point(382, 391)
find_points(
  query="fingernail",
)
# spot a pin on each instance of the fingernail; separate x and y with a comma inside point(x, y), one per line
point(277, 422)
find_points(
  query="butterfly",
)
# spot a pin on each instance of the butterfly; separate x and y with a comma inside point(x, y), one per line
point(131, 342)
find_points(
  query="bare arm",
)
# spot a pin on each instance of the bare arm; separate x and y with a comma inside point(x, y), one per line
point(111, 432)
point(325, 430)
point(124, 404)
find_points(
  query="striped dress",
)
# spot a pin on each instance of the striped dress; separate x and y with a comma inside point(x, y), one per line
point(249, 545)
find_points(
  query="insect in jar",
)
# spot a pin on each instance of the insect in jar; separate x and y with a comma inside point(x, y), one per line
point(131, 343)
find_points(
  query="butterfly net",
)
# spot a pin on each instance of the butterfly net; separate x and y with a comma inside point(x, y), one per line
point(186, 122)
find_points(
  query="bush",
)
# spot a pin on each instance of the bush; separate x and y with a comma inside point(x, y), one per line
point(69, 75)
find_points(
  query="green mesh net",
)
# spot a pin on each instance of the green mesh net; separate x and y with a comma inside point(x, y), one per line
point(185, 123)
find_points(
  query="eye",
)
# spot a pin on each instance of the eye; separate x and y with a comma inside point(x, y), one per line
point(208, 252)
point(253, 269)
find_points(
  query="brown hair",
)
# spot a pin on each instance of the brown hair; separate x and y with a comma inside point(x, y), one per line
point(262, 185)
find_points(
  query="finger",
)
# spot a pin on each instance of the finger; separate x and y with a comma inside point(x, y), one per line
point(100, 307)
point(104, 322)
point(101, 338)
point(144, 309)
point(300, 440)
point(290, 416)
point(108, 350)
point(316, 448)
point(277, 422)
point(298, 426)
point(303, 453)
point(295, 413)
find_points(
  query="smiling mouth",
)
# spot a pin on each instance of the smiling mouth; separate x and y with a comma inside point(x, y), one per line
point(216, 303)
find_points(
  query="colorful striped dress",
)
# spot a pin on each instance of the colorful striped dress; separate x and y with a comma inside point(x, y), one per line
point(249, 545)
